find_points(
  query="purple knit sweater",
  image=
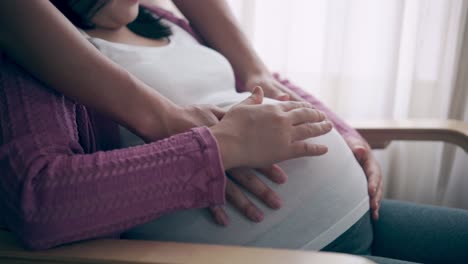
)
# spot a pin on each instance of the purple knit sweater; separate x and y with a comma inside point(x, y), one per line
point(63, 180)
point(57, 186)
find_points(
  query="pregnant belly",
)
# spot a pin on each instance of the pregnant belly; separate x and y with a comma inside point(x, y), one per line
point(322, 198)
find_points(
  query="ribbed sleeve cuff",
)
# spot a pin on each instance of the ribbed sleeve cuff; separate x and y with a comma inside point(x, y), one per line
point(215, 168)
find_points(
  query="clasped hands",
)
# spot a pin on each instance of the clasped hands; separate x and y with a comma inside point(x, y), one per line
point(247, 144)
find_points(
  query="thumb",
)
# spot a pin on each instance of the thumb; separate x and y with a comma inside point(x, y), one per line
point(255, 98)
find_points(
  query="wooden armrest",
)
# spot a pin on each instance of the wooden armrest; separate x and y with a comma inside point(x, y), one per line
point(133, 251)
point(380, 133)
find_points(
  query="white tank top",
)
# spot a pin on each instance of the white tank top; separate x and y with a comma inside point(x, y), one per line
point(323, 197)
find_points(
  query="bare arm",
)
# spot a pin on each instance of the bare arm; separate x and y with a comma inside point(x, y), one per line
point(45, 43)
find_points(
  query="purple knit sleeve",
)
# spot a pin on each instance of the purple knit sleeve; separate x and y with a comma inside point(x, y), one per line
point(54, 190)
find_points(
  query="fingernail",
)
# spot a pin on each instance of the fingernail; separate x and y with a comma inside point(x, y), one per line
point(274, 202)
point(258, 217)
point(255, 89)
point(280, 176)
point(255, 215)
point(222, 219)
point(322, 114)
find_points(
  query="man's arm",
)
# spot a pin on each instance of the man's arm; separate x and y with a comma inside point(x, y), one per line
point(56, 189)
point(45, 43)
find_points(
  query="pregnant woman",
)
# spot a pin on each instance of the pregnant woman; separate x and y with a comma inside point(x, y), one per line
point(325, 203)
point(323, 197)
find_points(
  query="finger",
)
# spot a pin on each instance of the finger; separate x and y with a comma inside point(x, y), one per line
point(218, 112)
point(282, 97)
point(374, 202)
point(274, 173)
point(292, 95)
point(235, 196)
point(250, 181)
point(375, 215)
point(373, 173)
point(255, 98)
point(308, 130)
point(375, 183)
point(378, 199)
point(302, 115)
point(360, 153)
point(303, 148)
point(219, 215)
point(291, 105)
point(379, 194)
point(275, 93)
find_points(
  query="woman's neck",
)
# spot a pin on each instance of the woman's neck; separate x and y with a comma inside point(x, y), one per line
point(115, 34)
point(126, 36)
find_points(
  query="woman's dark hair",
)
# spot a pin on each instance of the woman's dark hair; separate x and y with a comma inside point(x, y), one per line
point(80, 13)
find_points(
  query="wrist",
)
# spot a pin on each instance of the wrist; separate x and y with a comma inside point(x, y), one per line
point(256, 78)
point(250, 74)
point(228, 147)
point(153, 118)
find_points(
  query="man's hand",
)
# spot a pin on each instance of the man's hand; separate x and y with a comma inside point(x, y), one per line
point(187, 117)
point(271, 87)
point(252, 183)
point(371, 167)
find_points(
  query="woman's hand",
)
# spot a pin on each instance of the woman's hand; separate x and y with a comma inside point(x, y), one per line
point(360, 148)
point(250, 134)
point(252, 183)
point(209, 115)
point(246, 141)
point(363, 154)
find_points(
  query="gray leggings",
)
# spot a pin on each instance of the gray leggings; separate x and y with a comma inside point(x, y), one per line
point(408, 233)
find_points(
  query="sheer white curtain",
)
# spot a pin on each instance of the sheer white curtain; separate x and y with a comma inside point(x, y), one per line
point(386, 59)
